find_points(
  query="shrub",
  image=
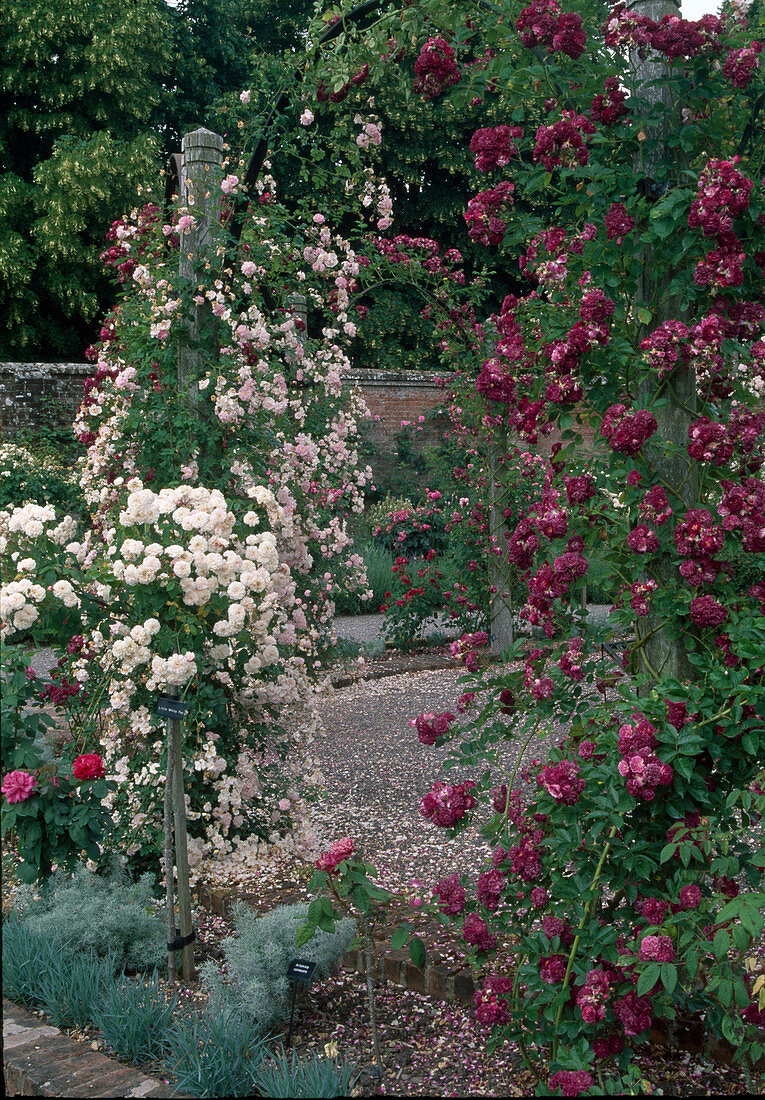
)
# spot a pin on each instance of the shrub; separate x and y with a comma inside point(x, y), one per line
point(105, 915)
point(28, 474)
point(257, 957)
point(287, 1076)
point(135, 1017)
point(26, 955)
point(412, 531)
point(378, 512)
point(414, 599)
point(379, 562)
point(216, 1053)
point(72, 986)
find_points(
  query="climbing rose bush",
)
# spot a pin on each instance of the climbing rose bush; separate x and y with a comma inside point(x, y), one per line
point(219, 496)
point(621, 885)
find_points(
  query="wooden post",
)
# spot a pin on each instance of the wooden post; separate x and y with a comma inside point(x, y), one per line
point(169, 878)
point(500, 606)
point(201, 160)
point(299, 304)
point(660, 653)
point(175, 747)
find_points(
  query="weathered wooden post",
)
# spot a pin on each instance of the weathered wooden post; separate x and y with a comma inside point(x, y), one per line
point(175, 749)
point(172, 708)
point(201, 160)
point(200, 172)
point(500, 605)
point(658, 652)
point(168, 854)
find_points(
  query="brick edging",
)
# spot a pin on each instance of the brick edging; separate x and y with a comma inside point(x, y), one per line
point(39, 1060)
point(396, 967)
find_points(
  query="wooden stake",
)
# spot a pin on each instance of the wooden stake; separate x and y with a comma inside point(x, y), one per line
point(181, 851)
point(169, 861)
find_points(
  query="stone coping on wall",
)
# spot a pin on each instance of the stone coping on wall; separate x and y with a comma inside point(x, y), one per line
point(372, 377)
point(46, 370)
point(366, 375)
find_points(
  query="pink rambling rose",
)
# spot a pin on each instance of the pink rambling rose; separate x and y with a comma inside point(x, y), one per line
point(690, 896)
point(659, 948)
point(571, 1082)
point(476, 932)
point(451, 895)
point(18, 786)
point(552, 969)
point(490, 1003)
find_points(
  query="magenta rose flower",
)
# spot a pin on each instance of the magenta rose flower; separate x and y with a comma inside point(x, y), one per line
point(340, 850)
point(18, 786)
point(88, 766)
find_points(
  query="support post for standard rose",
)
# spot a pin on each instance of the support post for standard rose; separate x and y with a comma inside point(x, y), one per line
point(169, 882)
point(172, 708)
point(201, 160)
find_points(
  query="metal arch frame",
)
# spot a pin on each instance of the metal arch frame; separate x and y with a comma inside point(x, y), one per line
point(283, 99)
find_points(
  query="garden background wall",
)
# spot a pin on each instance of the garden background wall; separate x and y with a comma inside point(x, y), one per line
point(33, 395)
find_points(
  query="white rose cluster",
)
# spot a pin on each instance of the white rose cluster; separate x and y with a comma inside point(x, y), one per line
point(18, 605)
point(174, 671)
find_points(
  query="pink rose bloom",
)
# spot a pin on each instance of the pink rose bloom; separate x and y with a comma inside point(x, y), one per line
point(89, 766)
point(18, 786)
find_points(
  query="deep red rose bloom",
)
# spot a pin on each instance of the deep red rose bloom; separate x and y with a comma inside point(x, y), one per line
point(89, 766)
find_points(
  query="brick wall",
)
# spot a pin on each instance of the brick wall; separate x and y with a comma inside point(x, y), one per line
point(33, 393)
point(393, 397)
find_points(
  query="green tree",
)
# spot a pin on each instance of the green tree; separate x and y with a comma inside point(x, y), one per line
point(81, 92)
point(93, 97)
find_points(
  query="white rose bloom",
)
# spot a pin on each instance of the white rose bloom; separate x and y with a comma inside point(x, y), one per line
point(152, 626)
point(236, 590)
point(131, 549)
point(236, 615)
point(181, 568)
point(11, 601)
point(26, 565)
point(24, 618)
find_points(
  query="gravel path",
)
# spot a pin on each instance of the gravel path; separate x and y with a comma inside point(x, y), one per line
point(377, 771)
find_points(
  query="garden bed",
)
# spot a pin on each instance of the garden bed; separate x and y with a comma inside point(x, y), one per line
point(430, 1041)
